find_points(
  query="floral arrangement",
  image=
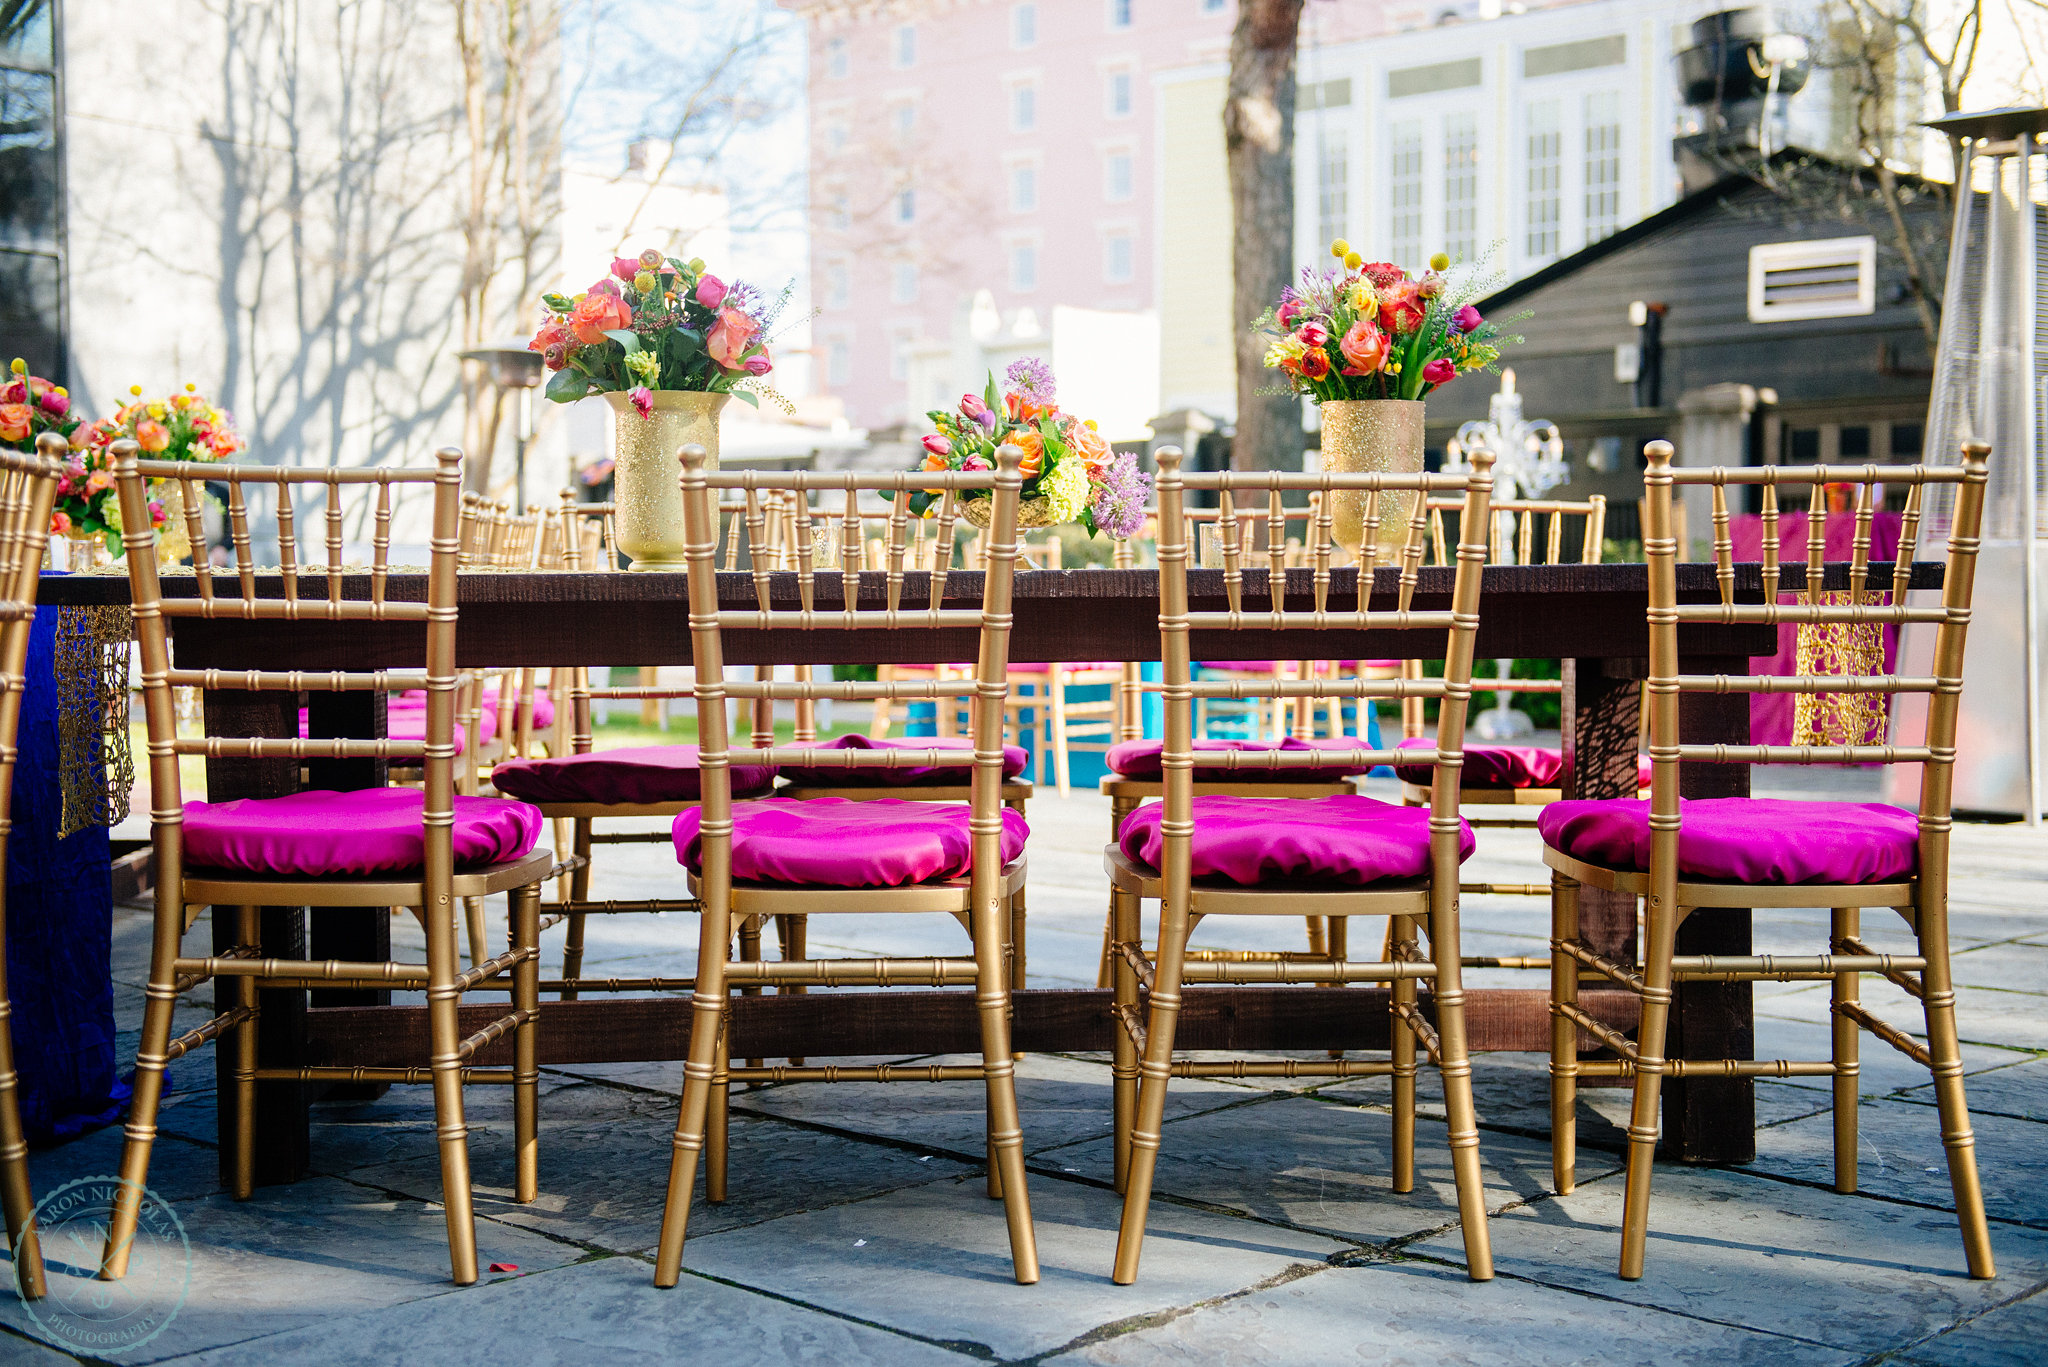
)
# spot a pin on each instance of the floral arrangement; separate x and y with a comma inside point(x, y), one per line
point(656, 323)
point(1372, 331)
point(185, 426)
point(31, 406)
point(1071, 474)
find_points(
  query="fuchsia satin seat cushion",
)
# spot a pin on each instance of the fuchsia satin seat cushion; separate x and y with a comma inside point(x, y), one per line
point(1745, 839)
point(836, 842)
point(1504, 766)
point(349, 834)
point(904, 776)
point(1350, 841)
point(634, 774)
point(1035, 667)
point(1140, 759)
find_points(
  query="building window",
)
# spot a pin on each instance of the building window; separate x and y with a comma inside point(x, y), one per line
point(1834, 277)
point(1023, 107)
point(903, 283)
point(1119, 13)
point(1117, 268)
point(839, 217)
point(1603, 165)
point(838, 285)
point(903, 119)
point(1118, 95)
point(32, 236)
point(905, 45)
point(1023, 188)
point(837, 63)
point(1213, 6)
point(1023, 25)
point(901, 340)
point(835, 135)
point(1023, 267)
point(1117, 183)
point(1545, 181)
point(1404, 195)
point(906, 205)
point(838, 362)
point(1333, 185)
point(1461, 186)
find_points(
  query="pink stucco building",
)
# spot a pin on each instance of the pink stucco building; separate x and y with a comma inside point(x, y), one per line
point(988, 160)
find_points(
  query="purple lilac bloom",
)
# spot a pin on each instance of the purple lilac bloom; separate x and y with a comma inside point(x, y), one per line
point(1031, 379)
point(1119, 503)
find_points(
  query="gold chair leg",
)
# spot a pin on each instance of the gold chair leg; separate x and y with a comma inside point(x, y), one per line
point(1123, 1069)
point(479, 935)
point(1564, 1035)
point(159, 999)
point(707, 1022)
point(718, 1121)
point(1015, 940)
point(750, 951)
point(526, 1044)
point(1847, 925)
point(579, 887)
point(248, 931)
point(1455, 1064)
point(445, 1032)
point(1153, 1073)
point(1947, 1053)
point(1662, 931)
point(1006, 1133)
point(16, 1200)
point(1401, 1042)
point(792, 935)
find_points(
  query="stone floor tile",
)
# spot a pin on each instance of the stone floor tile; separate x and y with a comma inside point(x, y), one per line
point(1324, 1166)
point(606, 1310)
point(1414, 1314)
point(1984, 1016)
point(1882, 1069)
point(1899, 1155)
point(604, 1159)
point(179, 1169)
point(935, 1261)
point(1855, 1273)
point(25, 1352)
point(294, 1256)
point(2019, 1091)
point(2010, 967)
point(2010, 1336)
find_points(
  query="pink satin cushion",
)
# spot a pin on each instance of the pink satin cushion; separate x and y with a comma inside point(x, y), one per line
point(351, 834)
point(1352, 841)
point(1140, 759)
point(543, 709)
point(1745, 839)
point(635, 774)
point(836, 842)
point(902, 776)
point(1492, 766)
point(1071, 666)
point(406, 719)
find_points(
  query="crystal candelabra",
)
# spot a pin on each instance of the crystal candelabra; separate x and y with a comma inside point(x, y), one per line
point(1528, 462)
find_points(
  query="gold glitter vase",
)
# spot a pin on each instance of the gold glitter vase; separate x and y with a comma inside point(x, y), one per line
point(1372, 436)
point(647, 476)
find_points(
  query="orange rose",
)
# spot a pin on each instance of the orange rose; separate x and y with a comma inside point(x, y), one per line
point(14, 421)
point(1093, 447)
point(597, 315)
point(152, 436)
point(1033, 446)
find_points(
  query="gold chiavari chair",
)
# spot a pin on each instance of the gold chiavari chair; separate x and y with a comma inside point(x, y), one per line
point(374, 849)
point(1342, 855)
point(780, 857)
point(1691, 858)
point(28, 489)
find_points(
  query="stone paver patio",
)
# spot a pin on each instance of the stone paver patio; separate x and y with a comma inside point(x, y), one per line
point(859, 1229)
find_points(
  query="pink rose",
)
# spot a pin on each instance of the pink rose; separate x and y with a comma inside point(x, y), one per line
point(937, 444)
point(55, 404)
point(1365, 347)
point(1440, 371)
point(642, 401)
point(60, 523)
point(1313, 334)
point(625, 267)
point(730, 337)
point(759, 364)
point(710, 291)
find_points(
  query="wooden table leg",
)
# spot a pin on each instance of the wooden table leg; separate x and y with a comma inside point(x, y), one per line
point(1599, 719)
point(1712, 1120)
point(281, 1117)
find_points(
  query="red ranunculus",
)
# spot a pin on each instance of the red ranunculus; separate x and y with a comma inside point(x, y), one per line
point(1315, 364)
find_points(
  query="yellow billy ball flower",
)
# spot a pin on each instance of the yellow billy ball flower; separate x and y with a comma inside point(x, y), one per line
point(1441, 261)
point(1352, 261)
point(136, 390)
point(1340, 249)
point(20, 367)
point(191, 388)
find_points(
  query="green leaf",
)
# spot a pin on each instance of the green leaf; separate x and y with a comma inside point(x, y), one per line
point(626, 338)
point(992, 396)
point(753, 399)
point(567, 385)
point(560, 303)
point(919, 501)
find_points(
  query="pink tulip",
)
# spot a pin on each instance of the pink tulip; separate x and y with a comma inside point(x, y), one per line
point(642, 401)
point(1440, 371)
point(759, 364)
point(1288, 312)
point(971, 407)
point(710, 291)
point(1465, 319)
point(937, 445)
point(975, 463)
point(1313, 335)
point(625, 267)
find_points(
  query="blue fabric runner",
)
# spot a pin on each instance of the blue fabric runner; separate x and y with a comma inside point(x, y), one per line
point(59, 931)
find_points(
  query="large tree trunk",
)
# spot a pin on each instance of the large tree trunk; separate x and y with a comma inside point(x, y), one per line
point(1258, 135)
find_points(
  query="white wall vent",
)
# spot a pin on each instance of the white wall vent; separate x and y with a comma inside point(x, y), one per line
point(1832, 278)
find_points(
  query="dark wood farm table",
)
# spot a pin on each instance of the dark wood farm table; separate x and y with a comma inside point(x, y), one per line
point(1591, 616)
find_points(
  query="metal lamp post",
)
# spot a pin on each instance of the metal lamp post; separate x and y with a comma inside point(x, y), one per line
point(511, 366)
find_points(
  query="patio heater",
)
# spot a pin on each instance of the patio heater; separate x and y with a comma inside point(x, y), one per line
point(1989, 383)
point(1529, 462)
point(511, 366)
